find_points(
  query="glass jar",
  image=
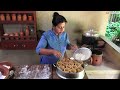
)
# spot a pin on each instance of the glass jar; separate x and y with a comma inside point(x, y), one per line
point(31, 28)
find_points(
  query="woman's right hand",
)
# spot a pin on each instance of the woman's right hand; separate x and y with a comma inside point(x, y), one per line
point(57, 53)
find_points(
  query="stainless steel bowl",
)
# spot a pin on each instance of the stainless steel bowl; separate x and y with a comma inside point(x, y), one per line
point(85, 51)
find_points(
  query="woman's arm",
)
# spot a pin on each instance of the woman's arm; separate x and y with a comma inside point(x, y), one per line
point(41, 44)
point(46, 51)
point(69, 45)
point(50, 52)
point(41, 48)
point(72, 47)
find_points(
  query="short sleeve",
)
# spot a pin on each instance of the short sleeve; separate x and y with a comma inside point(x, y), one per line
point(68, 42)
point(41, 44)
point(67, 37)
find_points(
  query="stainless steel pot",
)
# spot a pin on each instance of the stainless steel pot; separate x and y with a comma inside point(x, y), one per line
point(64, 75)
point(79, 75)
point(91, 33)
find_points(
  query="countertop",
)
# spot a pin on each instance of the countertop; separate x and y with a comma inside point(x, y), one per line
point(107, 70)
point(41, 71)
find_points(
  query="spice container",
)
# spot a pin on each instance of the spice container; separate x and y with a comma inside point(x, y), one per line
point(31, 28)
point(13, 17)
point(8, 17)
point(11, 36)
point(19, 17)
point(6, 36)
point(21, 34)
point(24, 17)
point(30, 18)
point(16, 35)
point(2, 17)
point(27, 32)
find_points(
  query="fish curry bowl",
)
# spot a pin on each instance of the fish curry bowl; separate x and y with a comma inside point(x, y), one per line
point(70, 69)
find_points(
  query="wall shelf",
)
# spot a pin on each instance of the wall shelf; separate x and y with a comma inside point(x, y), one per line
point(13, 40)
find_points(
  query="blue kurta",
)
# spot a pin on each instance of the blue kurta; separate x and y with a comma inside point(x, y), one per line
point(49, 40)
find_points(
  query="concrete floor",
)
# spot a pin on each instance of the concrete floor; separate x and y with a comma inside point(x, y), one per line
point(22, 57)
point(19, 57)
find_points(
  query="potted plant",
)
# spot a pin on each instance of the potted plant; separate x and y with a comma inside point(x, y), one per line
point(112, 29)
point(113, 32)
point(116, 39)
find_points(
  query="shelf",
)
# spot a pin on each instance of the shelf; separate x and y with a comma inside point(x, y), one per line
point(19, 45)
point(18, 38)
point(16, 42)
point(16, 22)
point(17, 12)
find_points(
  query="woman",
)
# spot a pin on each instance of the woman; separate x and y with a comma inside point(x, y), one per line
point(54, 42)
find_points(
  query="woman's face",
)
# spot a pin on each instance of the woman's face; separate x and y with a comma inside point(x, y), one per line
point(60, 28)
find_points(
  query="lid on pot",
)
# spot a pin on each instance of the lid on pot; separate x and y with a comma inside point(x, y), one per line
point(91, 33)
point(82, 54)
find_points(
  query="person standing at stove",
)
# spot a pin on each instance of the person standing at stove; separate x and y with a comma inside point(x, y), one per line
point(54, 42)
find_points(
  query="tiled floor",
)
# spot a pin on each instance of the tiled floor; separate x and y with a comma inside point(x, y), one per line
point(19, 57)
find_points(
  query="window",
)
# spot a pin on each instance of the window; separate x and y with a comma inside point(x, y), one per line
point(113, 27)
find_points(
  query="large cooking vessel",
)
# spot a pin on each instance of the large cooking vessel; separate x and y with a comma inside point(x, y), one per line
point(78, 75)
point(89, 37)
point(64, 75)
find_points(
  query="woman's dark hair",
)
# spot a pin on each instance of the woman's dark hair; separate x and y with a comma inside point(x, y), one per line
point(58, 19)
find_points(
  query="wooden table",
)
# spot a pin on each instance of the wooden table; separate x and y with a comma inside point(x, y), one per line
point(29, 72)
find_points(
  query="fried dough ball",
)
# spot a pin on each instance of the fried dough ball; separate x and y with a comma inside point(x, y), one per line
point(78, 69)
point(67, 70)
point(73, 70)
point(70, 66)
